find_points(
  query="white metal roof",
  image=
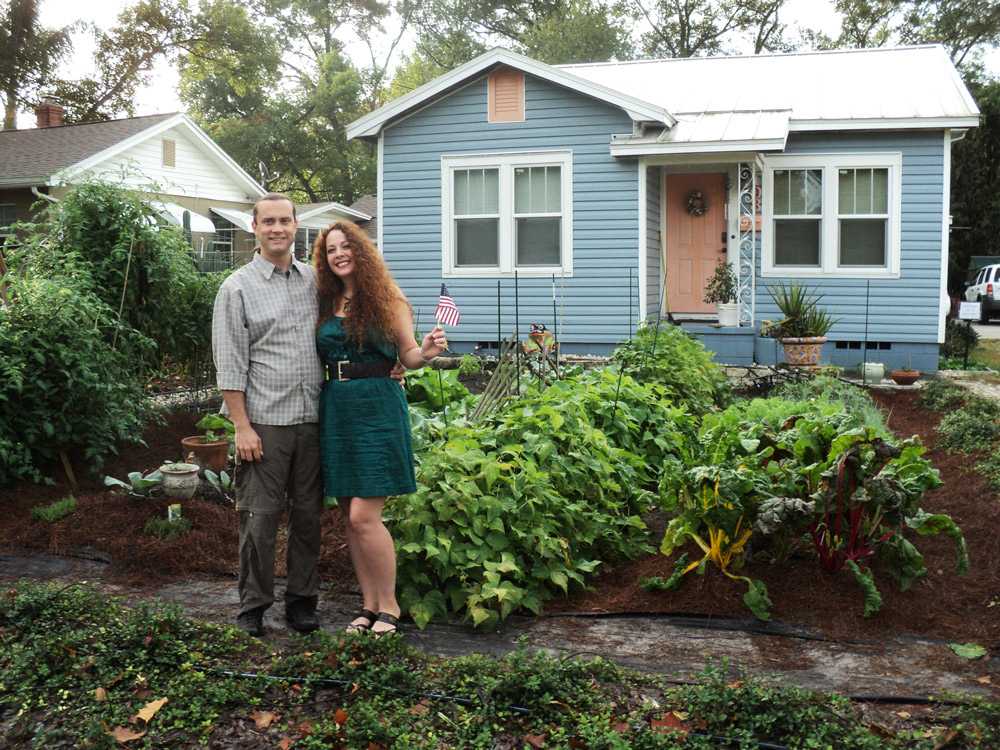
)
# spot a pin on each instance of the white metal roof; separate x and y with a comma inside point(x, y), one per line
point(734, 104)
point(715, 132)
point(870, 88)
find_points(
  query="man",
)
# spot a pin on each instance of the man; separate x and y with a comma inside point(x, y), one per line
point(263, 340)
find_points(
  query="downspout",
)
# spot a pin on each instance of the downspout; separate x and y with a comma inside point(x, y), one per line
point(46, 196)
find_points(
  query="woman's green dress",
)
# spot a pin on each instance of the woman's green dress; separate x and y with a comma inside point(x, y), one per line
point(364, 424)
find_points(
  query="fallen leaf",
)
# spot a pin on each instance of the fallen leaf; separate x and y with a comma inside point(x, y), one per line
point(903, 714)
point(536, 740)
point(883, 732)
point(100, 694)
point(418, 709)
point(263, 719)
point(968, 650)
point(123, 735)
point(984, 680)
point(148, 711)
point(945, 738)
point(285, 744)
point(578, 744)
point(669, 721)
point(621, 728)
point(340, 717)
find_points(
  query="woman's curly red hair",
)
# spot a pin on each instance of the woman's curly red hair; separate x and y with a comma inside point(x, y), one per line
point(376, 295)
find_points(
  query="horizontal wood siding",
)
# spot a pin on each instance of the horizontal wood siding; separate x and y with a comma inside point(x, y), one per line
point(196, 174)
point(653, 285)
point(903, 310)
point(592, 308)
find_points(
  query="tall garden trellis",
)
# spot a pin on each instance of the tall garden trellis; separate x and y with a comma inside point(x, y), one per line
point(749, 208)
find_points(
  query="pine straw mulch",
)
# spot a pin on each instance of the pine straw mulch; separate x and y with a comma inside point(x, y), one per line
point(109, 527)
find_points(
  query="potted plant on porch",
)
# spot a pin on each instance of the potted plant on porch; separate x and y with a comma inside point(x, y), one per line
point(803, 328)
point(721, 288)
point(212, 447)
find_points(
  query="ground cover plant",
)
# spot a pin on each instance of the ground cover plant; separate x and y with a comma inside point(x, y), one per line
point(103, 675)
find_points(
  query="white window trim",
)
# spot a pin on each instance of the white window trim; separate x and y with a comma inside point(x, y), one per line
point(829, 219)
point(505, 163)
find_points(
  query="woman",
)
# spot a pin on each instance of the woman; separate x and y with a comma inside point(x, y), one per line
point(365, 325)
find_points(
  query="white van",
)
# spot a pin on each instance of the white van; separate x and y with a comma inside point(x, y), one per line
point(985, 288)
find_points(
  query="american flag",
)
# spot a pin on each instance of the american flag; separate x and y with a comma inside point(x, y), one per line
point(446, 311)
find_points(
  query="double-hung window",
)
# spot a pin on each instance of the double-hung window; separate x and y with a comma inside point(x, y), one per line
point(832, 214)
point(8, 215)
point(503, 213)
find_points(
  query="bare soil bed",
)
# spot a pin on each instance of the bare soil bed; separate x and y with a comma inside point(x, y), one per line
point(109, 527)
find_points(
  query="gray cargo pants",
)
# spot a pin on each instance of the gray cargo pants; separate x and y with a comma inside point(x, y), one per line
point(288, 478)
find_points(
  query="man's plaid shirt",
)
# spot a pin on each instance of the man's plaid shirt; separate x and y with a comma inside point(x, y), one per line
point(264, 341)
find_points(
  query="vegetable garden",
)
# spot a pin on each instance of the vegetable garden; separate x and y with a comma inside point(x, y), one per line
point(519, 508)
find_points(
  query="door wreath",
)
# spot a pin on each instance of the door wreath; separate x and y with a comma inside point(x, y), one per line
point(696, 203)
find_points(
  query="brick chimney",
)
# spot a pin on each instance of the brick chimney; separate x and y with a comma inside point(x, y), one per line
point(48, 115)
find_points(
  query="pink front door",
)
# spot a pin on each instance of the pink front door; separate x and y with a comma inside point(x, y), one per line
point(696, 230)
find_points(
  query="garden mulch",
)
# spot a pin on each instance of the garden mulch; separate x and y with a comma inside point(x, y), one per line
point(819, 636)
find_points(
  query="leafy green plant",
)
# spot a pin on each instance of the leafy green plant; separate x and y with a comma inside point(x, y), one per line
point(670, 357)
point(789, 469)
point(136, 481)
point(802, 316)
point(516, 508)
point(166, 529)
point(71, 391)
point(722, 285)
point(216, 426)
point(959, 339)
point(54, 511)
point(939, 395)
point(222, 482)
point(972, 427)
point(469, 364)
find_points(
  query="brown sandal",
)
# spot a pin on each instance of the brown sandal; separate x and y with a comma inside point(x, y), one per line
point(390, 620)
point(360, 627)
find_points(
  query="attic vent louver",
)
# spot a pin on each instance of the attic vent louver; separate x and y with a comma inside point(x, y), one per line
point(169, 152)
point(506, 95)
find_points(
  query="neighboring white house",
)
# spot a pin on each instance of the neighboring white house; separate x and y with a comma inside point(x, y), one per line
point(201, 188)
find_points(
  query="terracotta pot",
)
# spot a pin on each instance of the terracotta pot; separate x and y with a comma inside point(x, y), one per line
point(179, 480)
point(212, 455)
point(904, 377)
point(803, 352)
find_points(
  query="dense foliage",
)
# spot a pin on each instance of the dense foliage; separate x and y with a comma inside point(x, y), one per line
point(101, 291)
point(517, 508)
point(82, 670)
point(62, 385)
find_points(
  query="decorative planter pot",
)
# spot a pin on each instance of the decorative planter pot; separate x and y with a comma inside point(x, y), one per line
point(729, 314)
point(213, 455)
point(803, 352)
point(179, 480)
point(904, 377)
point(872, 372)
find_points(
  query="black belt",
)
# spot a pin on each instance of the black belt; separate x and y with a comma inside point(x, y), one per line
point(344, 370)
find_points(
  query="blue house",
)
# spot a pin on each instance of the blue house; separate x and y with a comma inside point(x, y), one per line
point(592, 197)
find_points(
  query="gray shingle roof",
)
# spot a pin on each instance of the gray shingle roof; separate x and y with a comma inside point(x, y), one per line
point(32, 155)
